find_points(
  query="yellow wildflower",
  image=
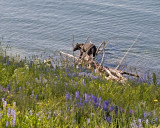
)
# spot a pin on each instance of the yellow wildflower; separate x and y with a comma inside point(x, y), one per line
point(8, 104)
point(155, 100)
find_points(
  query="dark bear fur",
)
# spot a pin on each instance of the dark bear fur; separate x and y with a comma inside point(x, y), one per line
point(87, 48)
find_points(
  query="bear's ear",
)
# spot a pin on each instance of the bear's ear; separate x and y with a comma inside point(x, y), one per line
point(77, 44)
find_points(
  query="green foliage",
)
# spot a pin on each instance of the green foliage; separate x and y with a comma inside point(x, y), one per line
point(154, 79)
point(39, 93)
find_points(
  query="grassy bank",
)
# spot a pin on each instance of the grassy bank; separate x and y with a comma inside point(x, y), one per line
point(37, 94)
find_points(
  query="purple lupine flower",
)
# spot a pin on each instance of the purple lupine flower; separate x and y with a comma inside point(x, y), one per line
point(111, 108)
point(85, 69)
point(106, 102)
point(9, 87)
point(121, 110)
point(80, 102)
point(31, 113)
point(145, 115)
point(71, 95)
point(61, 112)
point(13, 114)
point(8, 62)
point(156, 119)
point(36, 97)
point(87, 97)
point(109, 119)
point(92, 96)
point(116, 110)
point(83, 82)
point(88, 120)
point(67, 96)
point(134, 124)
point(55, 113)
point(100, 99)
point(105, 105)
point(131, 111)
point(140, 123)
point(19, 88)
point(31, 62)
point(145, 77)
point(4, 59)
point(1, 87)
point(66, 71)
point(49, 114)
point(95, 99)
point(92, 77)
point(89, 74)
point(77, 95)
point(73, 75)
point(37, 114)
point(8, 112)
point(98, 105)
point(140, 120)
point(7, 123)
point(83, 74)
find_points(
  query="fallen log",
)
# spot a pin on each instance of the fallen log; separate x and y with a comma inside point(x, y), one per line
point(110, 74)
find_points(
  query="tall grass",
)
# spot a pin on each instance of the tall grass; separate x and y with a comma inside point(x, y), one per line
point(37, 94)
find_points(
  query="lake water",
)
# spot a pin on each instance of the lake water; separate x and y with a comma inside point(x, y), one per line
point(34, 26)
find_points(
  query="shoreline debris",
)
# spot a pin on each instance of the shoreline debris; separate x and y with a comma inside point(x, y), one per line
point(89, 61)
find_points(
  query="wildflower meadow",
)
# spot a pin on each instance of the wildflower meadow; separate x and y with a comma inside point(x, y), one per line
point(44, 94)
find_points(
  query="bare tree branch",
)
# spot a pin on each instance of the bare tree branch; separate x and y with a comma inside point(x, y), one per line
point(87, 39)
point(104, 44)
point(127, 51)
point(73, 46)
point(102, 60)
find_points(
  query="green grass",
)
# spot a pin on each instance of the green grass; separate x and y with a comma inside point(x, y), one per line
point(56, 97)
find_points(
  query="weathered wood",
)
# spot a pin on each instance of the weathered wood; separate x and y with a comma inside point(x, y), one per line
point(102, 60)
point(130, 74)
point(110, 74)
point(127, 51)
point(104, 44)
point(73, 46)
point(87, 39)
point(69, 55)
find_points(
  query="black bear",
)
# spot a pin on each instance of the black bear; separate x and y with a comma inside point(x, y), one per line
point(88, 48)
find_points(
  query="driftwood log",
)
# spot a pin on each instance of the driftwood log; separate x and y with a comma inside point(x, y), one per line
point(110, 74)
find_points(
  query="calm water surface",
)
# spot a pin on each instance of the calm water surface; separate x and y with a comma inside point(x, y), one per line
point(34, 26)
